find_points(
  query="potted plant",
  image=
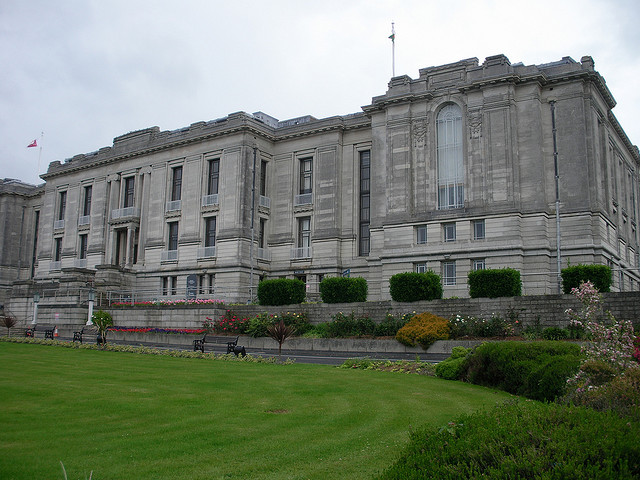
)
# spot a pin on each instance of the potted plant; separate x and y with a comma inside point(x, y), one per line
point(102, 320)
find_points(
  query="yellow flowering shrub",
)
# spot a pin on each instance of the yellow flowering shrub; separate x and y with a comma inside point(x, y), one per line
point(423, 329)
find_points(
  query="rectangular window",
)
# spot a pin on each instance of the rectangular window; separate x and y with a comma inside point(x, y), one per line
point(449, 231)
point(210, 232)
point(62, 205)
point(83, 246)
point(421, 234)
point(261, 233)
point(173, 236)
point(304, 232)
point(129, 189)
point(213, 177)
point(306, 175)
point(174, 285)
point(449, 273)
point(212, 283)
point(202, 284)
point(165, 285)
point(478, 264)
point(263, 178)
point(86, 207)
point(57, 254)
point(478, 229)
point(176, 184)
point(365, 203)
point(421, 268)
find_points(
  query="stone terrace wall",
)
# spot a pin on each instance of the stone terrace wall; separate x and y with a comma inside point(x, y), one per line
point(548, 310)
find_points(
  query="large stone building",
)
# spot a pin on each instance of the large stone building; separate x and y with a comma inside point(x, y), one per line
point(452, 171)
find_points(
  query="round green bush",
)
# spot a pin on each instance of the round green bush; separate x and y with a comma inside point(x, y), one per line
point(413, 287)
point(450, 369)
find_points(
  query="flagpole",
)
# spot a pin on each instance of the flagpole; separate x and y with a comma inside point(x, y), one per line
point(393, 49)
point(40, 153)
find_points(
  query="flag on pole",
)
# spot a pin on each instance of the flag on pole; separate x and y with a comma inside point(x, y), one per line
point(393, 32)
point(33, 144)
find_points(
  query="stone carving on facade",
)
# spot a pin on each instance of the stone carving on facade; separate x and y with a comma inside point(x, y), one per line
point(420, 129)
point(475, 124)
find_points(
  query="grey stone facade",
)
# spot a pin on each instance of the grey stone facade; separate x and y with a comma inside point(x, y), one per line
point(451, 171)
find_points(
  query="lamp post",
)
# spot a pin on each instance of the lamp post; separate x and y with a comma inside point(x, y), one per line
point(92, 298)
point(36, 300)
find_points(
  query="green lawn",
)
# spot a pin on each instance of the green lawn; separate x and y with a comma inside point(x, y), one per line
point(127, 416)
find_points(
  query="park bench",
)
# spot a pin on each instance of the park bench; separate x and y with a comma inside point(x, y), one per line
point(232, 346)
point(77, 336)
point(50, 331)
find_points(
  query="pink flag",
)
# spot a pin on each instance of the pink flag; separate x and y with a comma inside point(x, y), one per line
point(33, 144)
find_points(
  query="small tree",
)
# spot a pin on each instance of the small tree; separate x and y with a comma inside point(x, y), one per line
point(8, 321)
point(280, 332)
point(102, 320)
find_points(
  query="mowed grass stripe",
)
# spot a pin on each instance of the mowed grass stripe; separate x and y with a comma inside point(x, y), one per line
point(125, 416)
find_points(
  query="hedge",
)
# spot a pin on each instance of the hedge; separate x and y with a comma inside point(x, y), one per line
point(423, 329)
point(536, 370)
point(493, 283)
point(281, 291)
point(343, 290)
point(524, 440)
point(599, 275)
point(413, 287)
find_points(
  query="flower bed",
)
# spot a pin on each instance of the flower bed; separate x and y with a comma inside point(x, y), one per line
point(169, 303)
point(192, 331)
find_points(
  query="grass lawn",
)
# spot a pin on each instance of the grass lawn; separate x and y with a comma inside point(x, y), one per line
point(128, 416)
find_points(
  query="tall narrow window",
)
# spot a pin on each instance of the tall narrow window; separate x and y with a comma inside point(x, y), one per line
point(83, 246)
point(34, 254)
point(306, 175)
point(478, 229)
point(450, 161)
point(365, 206)
point(261, 231)
point(129, 189)
point(214, 175)
point(210, 232)
point(176, 184)
point(86, 206)
point(173, 236)
point(304, 235)
point(263, 178)
point(57, 249)
point(62, 205)
point(421, 234)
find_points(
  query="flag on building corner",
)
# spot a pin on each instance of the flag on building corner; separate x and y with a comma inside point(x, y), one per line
point(33, 144)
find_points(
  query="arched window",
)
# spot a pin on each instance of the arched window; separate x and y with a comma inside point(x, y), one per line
point(450, 163)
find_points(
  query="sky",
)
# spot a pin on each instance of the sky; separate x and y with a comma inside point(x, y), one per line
point(76, 73)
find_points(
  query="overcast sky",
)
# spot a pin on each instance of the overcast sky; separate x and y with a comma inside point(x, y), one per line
point(86, 71)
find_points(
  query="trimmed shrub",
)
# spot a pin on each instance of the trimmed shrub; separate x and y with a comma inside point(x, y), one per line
point(412, 287)
point(520, 367)
point(555, 333)
point(343, 290)
point(599, 275)
point(350, 326)
point(390, 325)
point(494, 283)
point(281, 291)
point(423, 329)
point(524, 440)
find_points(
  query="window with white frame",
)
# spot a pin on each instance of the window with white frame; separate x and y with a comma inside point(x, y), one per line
point(421, 268)
point(478, 229)
point(304, 232)
point(449, 231)
point(306, 175)
point(450, 157)
point(449, 272)
point(421, 234)
point(478, 264)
